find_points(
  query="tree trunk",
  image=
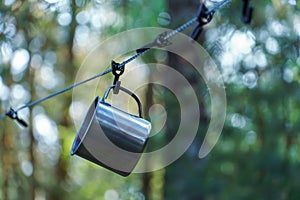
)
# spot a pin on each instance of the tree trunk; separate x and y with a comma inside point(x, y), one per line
point(147, 176)
point(62, 165)
point(5, 161)
point(177, 185)
point(32, 140)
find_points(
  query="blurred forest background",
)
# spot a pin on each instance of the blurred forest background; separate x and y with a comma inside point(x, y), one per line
point(43, 43)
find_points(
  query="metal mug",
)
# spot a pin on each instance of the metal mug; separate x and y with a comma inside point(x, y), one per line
point(110, 137)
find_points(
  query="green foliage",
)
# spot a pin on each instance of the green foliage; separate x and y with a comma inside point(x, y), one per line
point(257, 156)
point(52, 38)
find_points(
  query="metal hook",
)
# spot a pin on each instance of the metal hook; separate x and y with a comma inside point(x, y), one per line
point(203, 18)
point(14, 115)
point(159, 41)
point(247, 12)
point(136, 98)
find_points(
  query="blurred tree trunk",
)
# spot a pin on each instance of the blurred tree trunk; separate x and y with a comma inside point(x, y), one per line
point(61, 168)
point(69, 69)
point(32, 144)
point(29, 77)
point(5, 161)
point(177, 185)
point(2, 162)
point(6, 153)
point(147, 176)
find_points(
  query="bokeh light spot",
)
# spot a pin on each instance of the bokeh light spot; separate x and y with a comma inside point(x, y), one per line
point(19, 61)
point(250, 79)
point(238, 121)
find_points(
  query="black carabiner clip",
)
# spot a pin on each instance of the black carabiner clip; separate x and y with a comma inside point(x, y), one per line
point(14, 115)
point(203, 18)
point(117, 71)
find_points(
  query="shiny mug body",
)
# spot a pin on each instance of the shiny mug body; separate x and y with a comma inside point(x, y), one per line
point(110, 137)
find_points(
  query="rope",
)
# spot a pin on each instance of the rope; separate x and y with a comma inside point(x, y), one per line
point(218, 6)
point(176, 31)
point(181, 28)
point(168, 36)
point(13, 114)
point(62, 91)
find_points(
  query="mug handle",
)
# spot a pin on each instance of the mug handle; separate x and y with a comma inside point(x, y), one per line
point(126, 91)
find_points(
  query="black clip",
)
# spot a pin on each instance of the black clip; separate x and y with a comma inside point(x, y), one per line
point(203, 18)
point(14, 115)
point(159, 41)
point(117, 72)
point(247, 12)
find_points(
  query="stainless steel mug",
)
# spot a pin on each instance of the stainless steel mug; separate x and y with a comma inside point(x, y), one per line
point(110, 137)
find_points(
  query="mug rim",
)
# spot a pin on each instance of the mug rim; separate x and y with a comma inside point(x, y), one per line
point(84, 126)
